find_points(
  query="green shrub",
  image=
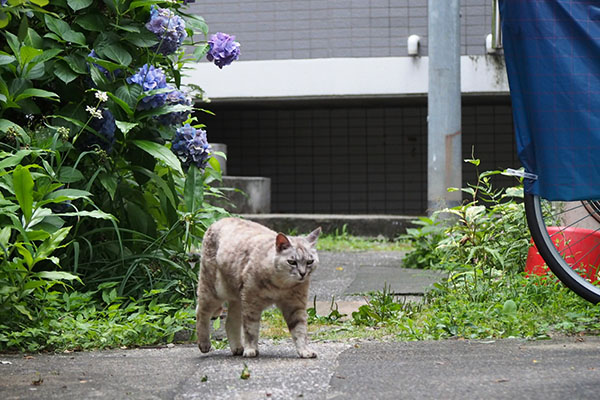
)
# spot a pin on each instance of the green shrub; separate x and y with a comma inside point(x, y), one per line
point(105, 171)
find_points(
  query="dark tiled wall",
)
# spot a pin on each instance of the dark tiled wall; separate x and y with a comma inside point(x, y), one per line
point(296, 29)
point(341, 159)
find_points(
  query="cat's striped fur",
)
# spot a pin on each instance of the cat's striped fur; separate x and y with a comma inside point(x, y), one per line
point(252, 267)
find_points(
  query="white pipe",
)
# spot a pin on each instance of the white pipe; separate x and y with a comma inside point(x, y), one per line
point(413, 45)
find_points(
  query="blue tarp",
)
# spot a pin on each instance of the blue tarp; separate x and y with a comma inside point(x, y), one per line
point(552, 52)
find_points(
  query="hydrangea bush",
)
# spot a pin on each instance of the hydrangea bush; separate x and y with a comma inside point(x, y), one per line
point(95, 86)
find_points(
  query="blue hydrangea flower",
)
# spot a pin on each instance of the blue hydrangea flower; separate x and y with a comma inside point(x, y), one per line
point(175, 118)
point(191, 146)
point(223, 49)
point(150, 78)
point(4, 2)
point(168, 28)
point(105, 127)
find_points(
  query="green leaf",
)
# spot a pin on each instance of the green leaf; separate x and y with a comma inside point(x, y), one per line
point(92, 214)
point(196, 23)
point(109, 65)
point(125, 127)
point(162, 185)
point(33, 39)
point(193, 191)
point(109, 182)
point(509, 308)
point(23, 186)
point(77, 64)
point(32, 92)
point(4, 19)
point(52, 243)
point(129, 94)
point(117, 53)
point(40, 3)
point(124, 106)
point(14, 159)
point(160, 152)
point(5, 235)
point(14, 44)
point(140, 3)
point(63, 30)
point(69, 175)
point(63, 72)
point(75, 37)
point(47, 55)
point(6, 59)
point(69, 194)
point(94, 22)
point(142, 39)
point(77, 5)
point(5, 125)
point(56, 276)
point(166, 110)
point(21, 308)
point(56, 25)
point(28, 53)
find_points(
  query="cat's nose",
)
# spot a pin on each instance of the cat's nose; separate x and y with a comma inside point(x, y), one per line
point(302, 273)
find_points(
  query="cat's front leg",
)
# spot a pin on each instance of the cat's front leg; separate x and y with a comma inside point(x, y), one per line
point(296, 319)
point(251, 329)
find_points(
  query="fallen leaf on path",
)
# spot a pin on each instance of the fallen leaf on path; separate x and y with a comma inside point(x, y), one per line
point(245, 372)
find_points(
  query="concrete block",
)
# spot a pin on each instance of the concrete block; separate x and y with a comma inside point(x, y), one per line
point(253, 194)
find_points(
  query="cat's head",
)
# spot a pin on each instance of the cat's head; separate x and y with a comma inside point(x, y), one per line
point(297, 255)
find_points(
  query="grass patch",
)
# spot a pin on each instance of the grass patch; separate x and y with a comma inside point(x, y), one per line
point(341, 240)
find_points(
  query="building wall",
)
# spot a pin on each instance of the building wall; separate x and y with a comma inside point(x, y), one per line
point(336, 158)
point(326, 102)
point(303, 29)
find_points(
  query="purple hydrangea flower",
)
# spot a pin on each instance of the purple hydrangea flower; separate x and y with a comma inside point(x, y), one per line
point(105, 127)
point(150, 78)
point(176, 118)
point(223, 49)
point(191, 146)
point(168, 28)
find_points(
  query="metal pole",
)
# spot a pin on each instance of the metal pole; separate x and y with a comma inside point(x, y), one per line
point(444, 155)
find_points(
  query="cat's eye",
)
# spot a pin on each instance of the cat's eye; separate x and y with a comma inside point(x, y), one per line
point(310, 262)
point(292, 262)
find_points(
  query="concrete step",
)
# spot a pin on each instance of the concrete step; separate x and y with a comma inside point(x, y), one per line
point(389, 226)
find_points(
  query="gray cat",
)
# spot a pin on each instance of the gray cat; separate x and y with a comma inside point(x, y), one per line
point(252, 267)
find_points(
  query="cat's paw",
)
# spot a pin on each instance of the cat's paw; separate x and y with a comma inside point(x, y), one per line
point(307, 353)
point(204, 346)
point(237, 351)
point(250, 353)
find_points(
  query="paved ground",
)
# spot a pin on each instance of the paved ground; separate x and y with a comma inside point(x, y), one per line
point(452, 369)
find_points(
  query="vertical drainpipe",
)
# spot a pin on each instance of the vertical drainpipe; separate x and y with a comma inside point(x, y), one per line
point(444, 154)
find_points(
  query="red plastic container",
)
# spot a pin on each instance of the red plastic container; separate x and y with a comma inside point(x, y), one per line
point(572, 244)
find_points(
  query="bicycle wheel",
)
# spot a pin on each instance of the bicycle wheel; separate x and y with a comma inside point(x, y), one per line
point(567, 237)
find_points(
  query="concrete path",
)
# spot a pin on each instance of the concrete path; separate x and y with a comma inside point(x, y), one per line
point(451, 369)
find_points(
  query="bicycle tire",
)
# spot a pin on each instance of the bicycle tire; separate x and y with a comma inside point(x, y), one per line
point(538, 222)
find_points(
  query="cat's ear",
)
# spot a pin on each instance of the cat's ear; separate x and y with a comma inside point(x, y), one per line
point(282, 242)
point(313, 236)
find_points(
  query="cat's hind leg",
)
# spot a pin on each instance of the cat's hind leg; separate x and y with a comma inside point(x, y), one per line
point(233, 327)
point(251, 329)
point(208, 305)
